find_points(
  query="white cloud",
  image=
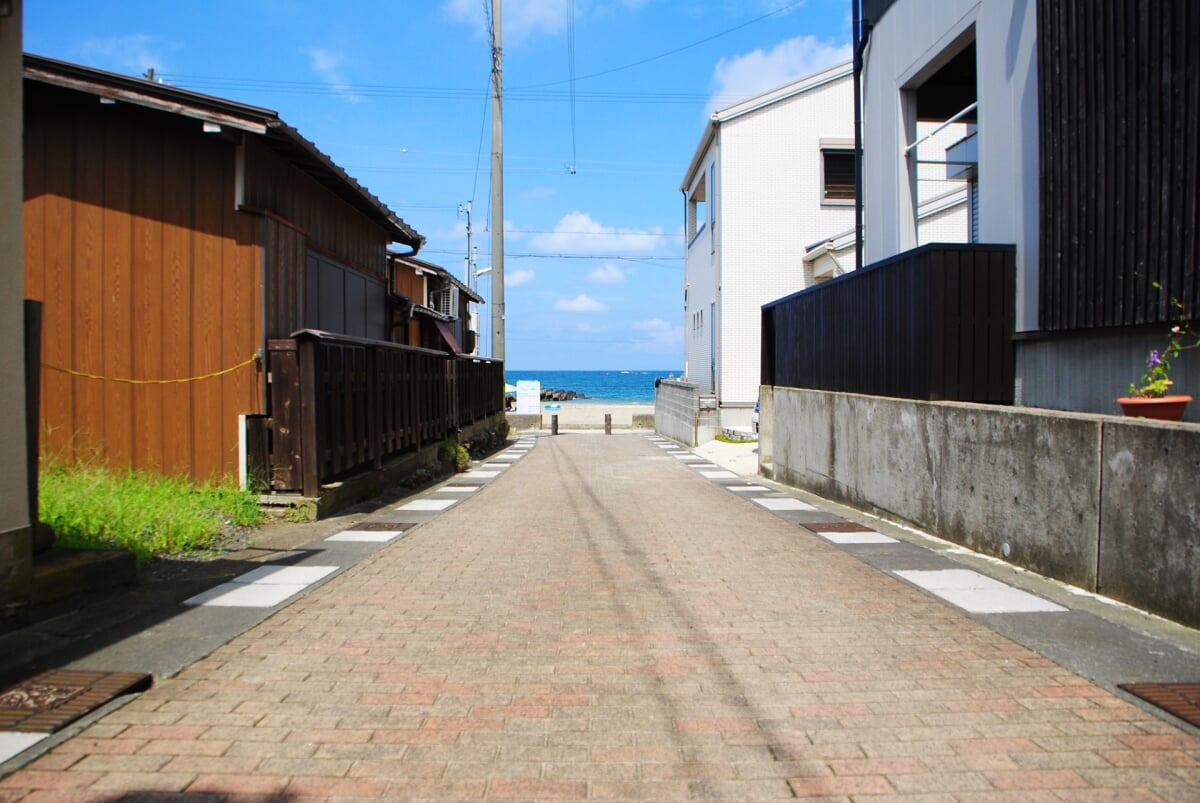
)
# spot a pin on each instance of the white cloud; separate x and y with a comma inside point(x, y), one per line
point(742, 77)
point(521, 18)
point(580, 303)
point(327, 66)
point(657, 336)
point(132, 54)
point(518, 277)
point(579, 233)
point(608, 273)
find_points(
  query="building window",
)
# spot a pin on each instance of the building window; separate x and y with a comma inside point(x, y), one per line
point(697, 208)
point(837, 175)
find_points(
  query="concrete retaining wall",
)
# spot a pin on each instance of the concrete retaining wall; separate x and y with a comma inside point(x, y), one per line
point(1108, 504)
point(676, 405)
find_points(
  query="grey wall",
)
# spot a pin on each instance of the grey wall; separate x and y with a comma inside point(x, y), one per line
point(16, 537)
point(676, 405)
point(1108, 504)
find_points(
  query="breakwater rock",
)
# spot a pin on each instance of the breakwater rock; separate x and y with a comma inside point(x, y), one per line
point(550, 394)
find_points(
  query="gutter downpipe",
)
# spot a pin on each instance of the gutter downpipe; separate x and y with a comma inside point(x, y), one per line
point(860, 36)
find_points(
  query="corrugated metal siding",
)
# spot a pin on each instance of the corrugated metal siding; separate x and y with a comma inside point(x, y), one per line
point(145, 272)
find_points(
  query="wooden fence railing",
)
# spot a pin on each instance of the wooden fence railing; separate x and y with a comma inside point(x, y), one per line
point(342, 404)
point(934, 323)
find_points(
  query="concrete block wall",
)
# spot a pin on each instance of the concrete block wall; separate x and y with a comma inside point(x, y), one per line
point(676, 405)
point(1107, 504)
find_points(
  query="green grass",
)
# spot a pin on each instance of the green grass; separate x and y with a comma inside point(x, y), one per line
point(91, 507)
point(723, 438)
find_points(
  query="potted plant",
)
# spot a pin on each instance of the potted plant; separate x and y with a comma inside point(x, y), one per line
point(1150, 399)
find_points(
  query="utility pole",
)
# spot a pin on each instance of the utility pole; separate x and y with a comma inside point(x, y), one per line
point(497, 189)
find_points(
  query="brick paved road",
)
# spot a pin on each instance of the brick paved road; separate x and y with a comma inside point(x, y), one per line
point(600, 621)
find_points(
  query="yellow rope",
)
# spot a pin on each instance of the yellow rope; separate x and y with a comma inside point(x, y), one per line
point(86, 375)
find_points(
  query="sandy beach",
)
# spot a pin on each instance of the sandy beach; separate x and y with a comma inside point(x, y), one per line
point(590, 415)
point(741, 458)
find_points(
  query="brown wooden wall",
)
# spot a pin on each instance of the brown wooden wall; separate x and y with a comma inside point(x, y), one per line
point(146, 272)
point(332, 225)
point(407, 283)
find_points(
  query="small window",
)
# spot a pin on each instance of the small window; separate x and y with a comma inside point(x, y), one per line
point(697, 209)
point(837, 167)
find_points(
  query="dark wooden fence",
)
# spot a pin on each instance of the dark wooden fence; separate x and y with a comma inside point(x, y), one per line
point(935, 323)
point(342, 404)
point(1118, 90)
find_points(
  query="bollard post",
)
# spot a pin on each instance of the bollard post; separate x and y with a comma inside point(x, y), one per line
point(554, 425)
point(608, 423)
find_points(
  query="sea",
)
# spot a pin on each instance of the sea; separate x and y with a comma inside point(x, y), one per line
point(608, 387)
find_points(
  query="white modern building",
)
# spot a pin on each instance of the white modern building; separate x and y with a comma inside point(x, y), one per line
point(769, 210)
point(771, 175)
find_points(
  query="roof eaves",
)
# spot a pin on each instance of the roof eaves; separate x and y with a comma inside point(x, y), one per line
point(305, 155)
point(798, 87)
point(140, 92)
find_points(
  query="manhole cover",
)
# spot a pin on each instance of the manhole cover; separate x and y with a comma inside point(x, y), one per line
point(1179, 699)
point(383, 526)
point(45, 703)
point(836, 527)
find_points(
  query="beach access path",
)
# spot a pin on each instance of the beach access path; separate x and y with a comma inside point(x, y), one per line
point(614, 617)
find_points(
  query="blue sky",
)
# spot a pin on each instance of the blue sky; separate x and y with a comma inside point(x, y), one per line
point(398, 94)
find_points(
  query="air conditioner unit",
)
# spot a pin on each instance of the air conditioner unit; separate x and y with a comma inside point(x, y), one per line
point(446, 301)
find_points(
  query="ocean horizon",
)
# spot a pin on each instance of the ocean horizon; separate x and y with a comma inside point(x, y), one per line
point(610, 387)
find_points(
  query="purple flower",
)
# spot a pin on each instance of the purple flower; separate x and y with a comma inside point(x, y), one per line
point(1155, 358)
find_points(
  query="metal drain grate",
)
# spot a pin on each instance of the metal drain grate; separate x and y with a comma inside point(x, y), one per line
point(1179, 699)
point(47, 702)
point(835, 527)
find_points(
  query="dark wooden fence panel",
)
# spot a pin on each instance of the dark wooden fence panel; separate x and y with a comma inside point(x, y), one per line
point(1118, 89)
point(935, 323)
point(340, 405)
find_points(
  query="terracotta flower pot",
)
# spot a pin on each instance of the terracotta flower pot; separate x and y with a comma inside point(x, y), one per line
point(1159, 408)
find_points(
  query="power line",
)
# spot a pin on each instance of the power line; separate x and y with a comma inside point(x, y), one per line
point(680, 49)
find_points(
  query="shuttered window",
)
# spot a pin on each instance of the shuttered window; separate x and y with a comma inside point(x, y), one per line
point(838, 174)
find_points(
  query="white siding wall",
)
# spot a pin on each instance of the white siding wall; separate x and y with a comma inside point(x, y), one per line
point(903, 45)
point(700, 280)
point(770, 208)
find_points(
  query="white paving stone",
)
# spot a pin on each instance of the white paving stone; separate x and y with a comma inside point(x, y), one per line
point(366, 536)
point(494, 466)
point(13, 743)
point(264, 587)
point(783, 503)
point(978, 593)
point(858, 538)
point(481, 475)
point(748, 488)
point(429, 504)
point(719, 475)
point(286, 575)
point(246, 595)
point(459, 489)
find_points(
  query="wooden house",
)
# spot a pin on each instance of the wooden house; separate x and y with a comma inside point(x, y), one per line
point(430, 307)
point(170, 235)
